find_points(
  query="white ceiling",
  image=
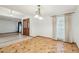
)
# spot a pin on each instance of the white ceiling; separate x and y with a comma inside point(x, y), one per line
point(46, 10)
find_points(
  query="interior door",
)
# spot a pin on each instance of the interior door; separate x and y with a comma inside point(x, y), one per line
point(26, 27)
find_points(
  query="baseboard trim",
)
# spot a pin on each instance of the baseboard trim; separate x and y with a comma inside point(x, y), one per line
point(8, 33)
point(55, 39)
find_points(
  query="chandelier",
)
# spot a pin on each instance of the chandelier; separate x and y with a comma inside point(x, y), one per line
point(38, 13)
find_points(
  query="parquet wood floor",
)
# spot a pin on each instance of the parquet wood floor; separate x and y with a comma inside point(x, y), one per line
point(40, 45)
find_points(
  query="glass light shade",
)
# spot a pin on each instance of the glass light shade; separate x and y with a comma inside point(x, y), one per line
point(36, 16)
point(40, 18)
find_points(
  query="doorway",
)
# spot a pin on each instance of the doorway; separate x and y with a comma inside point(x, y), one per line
point(19, 27)
point(26, 27)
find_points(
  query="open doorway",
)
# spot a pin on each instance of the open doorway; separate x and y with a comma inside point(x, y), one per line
point(19, 27)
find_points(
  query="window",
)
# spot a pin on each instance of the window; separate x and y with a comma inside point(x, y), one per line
point(60, 28)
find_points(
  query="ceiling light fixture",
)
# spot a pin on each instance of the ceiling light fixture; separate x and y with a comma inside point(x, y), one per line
point(38, 13)
point(36, 16)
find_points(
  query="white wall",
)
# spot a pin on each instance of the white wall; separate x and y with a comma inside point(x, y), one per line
point(41, 27)
point(75, 26)
point(7, 26)
point(8, 20)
